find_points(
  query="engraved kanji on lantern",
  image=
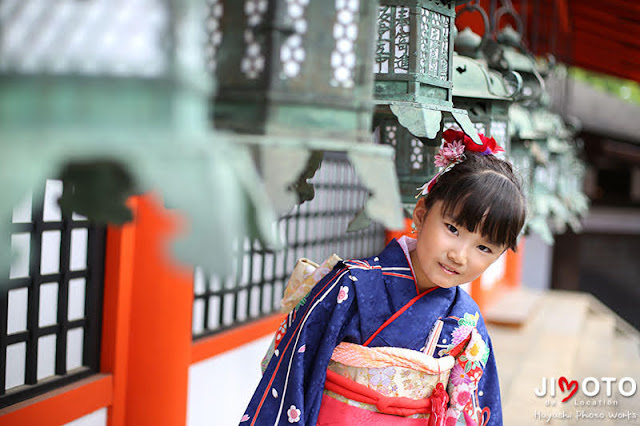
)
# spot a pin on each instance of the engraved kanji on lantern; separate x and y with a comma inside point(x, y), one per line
point(413, 52)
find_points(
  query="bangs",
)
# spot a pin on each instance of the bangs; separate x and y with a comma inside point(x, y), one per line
point(488, 203)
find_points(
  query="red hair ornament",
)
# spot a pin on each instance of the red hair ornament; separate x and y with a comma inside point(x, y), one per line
point(452, 152)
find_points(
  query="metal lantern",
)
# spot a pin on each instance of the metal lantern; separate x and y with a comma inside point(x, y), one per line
point(294, 67)
point(481, 91)
point(413, 65)
point(113, 97)
point(484, 95)
point(413, 52)
point(562, 171)
point(413, 86)
point(515, 57)
point(525, 148)
point(295, 80)
point(570, 188)
point(413, 157)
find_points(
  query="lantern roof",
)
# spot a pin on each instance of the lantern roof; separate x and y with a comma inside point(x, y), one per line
point(472, 79)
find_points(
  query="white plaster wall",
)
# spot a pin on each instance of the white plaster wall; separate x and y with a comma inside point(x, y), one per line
point(97, 418)
point(220, 387)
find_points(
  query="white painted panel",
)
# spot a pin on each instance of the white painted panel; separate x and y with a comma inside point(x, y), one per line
point(494, 273)
point(78, 259)
point(199, 284)
point(16, 362)
point(75, 338)
point(46, 356)
point(220, 387)
point(536, 263)
point(76, 299)
point(214, 312)
point(48, 304)
point(197, 317)
point(76, 216)
point(17, 317)
point(50, 257)
point(97, 418)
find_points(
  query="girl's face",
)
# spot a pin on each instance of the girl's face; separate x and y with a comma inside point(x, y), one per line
point(447, 254)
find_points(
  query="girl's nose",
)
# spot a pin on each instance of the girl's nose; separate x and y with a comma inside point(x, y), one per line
point(457, 256)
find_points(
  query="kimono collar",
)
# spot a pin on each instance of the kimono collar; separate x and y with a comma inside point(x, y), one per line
point(395, 257)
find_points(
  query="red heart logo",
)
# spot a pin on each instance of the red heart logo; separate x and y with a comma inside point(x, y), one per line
point(570, 385)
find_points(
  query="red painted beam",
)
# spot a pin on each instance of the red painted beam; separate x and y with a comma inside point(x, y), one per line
point(608, 33)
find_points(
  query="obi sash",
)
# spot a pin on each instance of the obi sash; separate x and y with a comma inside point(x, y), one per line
point(384, 386)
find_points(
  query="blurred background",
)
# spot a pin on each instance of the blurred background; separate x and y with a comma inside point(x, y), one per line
point(165, 164)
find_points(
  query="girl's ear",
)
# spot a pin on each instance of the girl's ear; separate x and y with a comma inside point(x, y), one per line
point(420, 212)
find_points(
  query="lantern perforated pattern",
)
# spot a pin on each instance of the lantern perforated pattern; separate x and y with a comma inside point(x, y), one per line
point(96, 37)
point(215, 12)
point(253, 60)
point(314, 230)
point(51, 303)
point(345, 33)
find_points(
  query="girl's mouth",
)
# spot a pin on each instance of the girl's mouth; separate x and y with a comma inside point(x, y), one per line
point(448, 270)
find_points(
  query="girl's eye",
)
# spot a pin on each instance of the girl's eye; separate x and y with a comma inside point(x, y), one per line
point(452, 229)
point(485, 249)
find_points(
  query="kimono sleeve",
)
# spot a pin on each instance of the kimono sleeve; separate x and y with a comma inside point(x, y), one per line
point(290, 390)
point(489, 390)
point(473, 388)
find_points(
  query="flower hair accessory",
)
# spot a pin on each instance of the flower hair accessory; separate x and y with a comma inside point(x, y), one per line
point(452, 153)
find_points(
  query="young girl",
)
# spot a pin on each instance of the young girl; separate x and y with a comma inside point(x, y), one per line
point(391, 339)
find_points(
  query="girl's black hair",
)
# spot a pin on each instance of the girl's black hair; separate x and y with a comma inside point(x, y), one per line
point(482, 192)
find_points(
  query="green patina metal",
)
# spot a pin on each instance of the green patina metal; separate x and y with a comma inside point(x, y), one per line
point(515, 57)
point(295, 68)
point(543, 150)
point(413, 86)
point(282, 160)
point(547, 157)
point(413, 65)
point(295, 80)
point(484, 95)
point(481, 91)
point(413, 52)
point(115, 121)
point(562, 188)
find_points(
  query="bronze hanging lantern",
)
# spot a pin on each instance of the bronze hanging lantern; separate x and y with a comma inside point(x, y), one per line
point(293, 67)
point(295, 80)
point(413, 65)
point(485, 96)
point(413, 86)
point(481, 91)
point(113, 98)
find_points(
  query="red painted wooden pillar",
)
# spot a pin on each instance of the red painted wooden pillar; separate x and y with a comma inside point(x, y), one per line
point(513, 274)
point(150, 350)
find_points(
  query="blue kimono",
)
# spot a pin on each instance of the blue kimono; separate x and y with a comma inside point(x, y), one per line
point(350, 304)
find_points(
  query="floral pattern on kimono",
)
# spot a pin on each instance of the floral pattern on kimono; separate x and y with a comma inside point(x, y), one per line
point(471, 354)
point(350, 304)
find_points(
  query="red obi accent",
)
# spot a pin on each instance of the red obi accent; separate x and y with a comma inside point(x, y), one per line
point(399, 407)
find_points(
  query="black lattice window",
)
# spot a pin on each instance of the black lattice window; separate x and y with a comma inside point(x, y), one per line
point(51, 304)
point(314, 230)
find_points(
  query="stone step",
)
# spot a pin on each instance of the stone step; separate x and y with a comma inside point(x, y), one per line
point(594, 359)
point(626, 363)
point(545, 346)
